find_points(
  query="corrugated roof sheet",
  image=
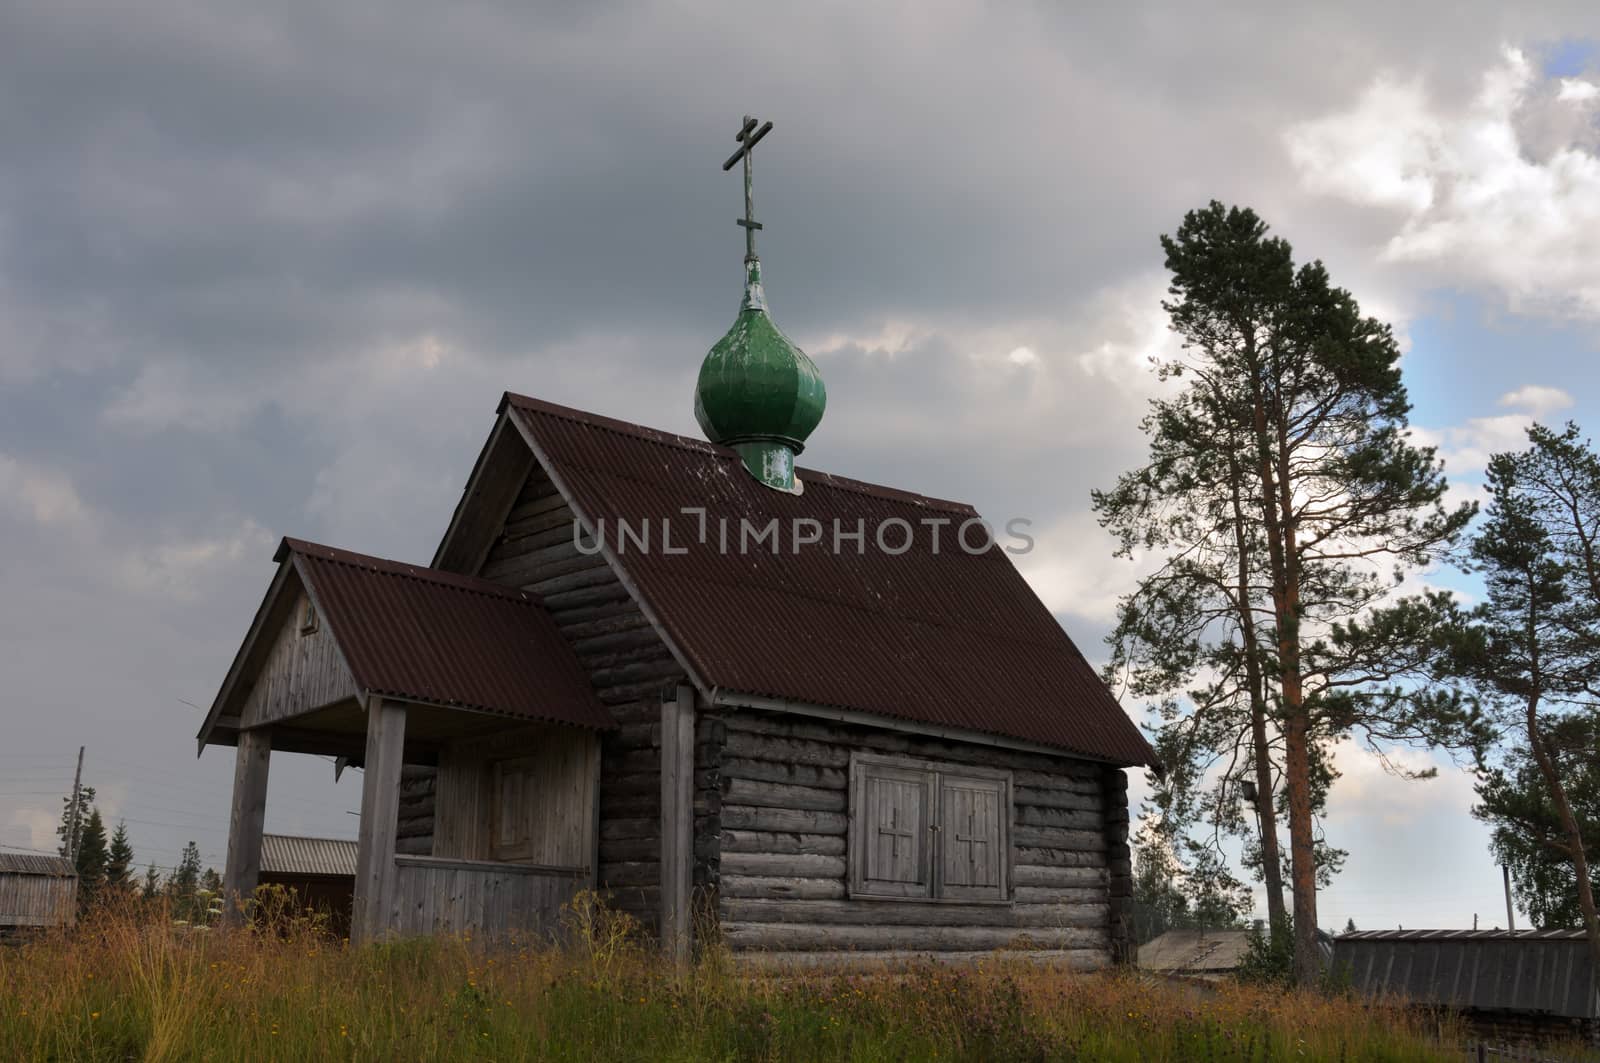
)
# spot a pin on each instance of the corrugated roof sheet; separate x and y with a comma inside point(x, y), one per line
point(420, 634)
point(35, 864)
point(1545, 971)
point(935, 636)
point(1195, 951)
point(291, 854)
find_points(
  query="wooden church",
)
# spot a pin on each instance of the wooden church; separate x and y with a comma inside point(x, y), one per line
point(804, 714)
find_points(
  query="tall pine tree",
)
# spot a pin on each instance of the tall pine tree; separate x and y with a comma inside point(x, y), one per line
point(1536, 656)
point(119, 861)
point(93, 857)
point(1283, 369)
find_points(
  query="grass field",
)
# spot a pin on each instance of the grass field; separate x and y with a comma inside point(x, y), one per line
point(136, 987)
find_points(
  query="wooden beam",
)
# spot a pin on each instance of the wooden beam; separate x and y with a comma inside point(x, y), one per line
point(243, 869)
point(677, 819)
point(380, 813)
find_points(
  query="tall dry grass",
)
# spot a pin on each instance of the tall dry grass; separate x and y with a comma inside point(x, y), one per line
point(130, 985)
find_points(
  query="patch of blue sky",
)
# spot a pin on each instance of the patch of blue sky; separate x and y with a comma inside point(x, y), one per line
point(1467, 352)
point(1569, 58)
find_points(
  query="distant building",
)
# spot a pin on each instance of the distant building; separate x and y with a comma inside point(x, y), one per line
point(320, 871)
point(36, 891)
point(1206, 954)
point(1519, 984)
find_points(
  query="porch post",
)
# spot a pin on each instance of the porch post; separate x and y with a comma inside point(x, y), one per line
point(677, 819)
point(380, 811)
point(245, 823)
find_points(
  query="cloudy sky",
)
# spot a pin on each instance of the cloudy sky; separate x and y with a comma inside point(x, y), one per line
point(266, 270)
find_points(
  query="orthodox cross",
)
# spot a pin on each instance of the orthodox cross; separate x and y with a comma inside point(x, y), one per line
point(973, 839)
point(747, 137)
point(895, 833)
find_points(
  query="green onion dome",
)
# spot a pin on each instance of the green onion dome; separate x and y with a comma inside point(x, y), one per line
point(758, 392)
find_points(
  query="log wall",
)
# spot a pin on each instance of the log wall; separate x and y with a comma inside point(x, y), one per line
point(776, 790)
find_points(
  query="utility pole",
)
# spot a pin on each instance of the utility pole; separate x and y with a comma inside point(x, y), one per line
point(1511, 919)
point(72, 832)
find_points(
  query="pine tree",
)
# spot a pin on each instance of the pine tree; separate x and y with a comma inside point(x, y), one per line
point(119, 860)
point(64, 830)
point(1536, 654)
point(185, 881)
point(1282, 368)
point(152, 884)
point(93, 858)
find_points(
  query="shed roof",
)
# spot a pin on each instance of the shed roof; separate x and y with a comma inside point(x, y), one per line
point(292, 854)
point(36, 864)
point(933, 635)
point(1543, 971)
point(1195, 951)
point(423, 635)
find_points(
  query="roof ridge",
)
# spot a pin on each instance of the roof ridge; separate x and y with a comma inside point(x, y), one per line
point(404, 570)
point(673, 439)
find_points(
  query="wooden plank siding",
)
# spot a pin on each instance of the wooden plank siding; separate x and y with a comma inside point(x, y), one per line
point(433, 895)
point(555, 814)
point(778, 864)
point(28, 901)
point(628, 665)
point(302, 672)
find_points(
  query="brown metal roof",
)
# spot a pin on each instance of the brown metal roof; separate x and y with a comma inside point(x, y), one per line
point(35, 864)
point(292, 854)
point(423, 635)
point(935, 636)
point(1543, 971)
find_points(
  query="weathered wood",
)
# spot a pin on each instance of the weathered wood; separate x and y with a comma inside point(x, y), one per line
point(573, 576)
point(637, 827)
point(780, 795)
point(32, 900)
point(750, 817)
point(784, 865)
point(541, 811)
point(1059, 838)
point(487, 900)
point(1061, 857)
point(1066, 877)
point(772, 887)
point(912, 913)
point(1072, 960)
point(380, 798)
point(677, 815)
point(1058, 895)
point(1076, 776)
point(547, 501)
point(747, 841)
point(1057, 798)
point(788, 937)
point(631, 873)
point(587, 598)
point(302, 672)
point(1034, 816)
point(791, 774)
point(248, 816)
point(859, 736)
point(628, 640)
point(754, 745)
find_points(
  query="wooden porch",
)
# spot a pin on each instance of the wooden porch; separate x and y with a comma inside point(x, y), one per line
point(384, 665)
point(515, 832)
